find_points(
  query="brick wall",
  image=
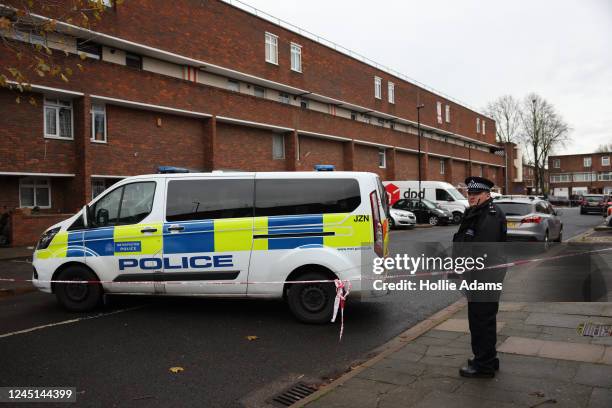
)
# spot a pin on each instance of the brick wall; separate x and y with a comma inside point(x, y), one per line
point(26, 229)
point(243, 148)
point(315, 151)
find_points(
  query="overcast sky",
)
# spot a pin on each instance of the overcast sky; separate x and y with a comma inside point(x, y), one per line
point(476, 51)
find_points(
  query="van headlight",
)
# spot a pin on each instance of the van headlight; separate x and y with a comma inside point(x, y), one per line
point(46, 238)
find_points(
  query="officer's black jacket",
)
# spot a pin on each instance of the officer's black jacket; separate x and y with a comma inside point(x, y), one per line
point(482, 229)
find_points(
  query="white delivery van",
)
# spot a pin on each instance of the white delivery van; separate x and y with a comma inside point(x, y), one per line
point(440, 192)
point(219, 234)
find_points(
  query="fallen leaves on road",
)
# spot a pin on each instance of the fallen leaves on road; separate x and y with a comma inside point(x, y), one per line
point(251, 338)
point(176, 369)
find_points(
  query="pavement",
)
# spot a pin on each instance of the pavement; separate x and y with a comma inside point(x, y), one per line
point(21, 255)
point(544, 362)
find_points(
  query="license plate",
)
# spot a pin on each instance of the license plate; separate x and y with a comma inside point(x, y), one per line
point(513, 224)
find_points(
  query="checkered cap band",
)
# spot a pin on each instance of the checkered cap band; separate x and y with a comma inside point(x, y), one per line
point(473, 185)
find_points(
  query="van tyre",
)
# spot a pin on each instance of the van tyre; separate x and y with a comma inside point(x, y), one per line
point(312, 302)
point(78, 297)
point(457, 217)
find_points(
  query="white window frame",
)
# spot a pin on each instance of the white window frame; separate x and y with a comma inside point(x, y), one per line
point(282, 96)
point(278, 139)
point(378, 87)
point(442, 166)
point(585, 160)
point(605, 160)
point(231, 83)
point(484, 124)
point(255, 87)
point(605, 176)
point(54, 103)
point(296, 57)
point(31, 182)
point(477, 125)
point(391, 92)
point(97, 109)
point(93, 182)
point(447, 113)
point(439, 111)
point(271, 48)
point(382, 158)
point(556, 163)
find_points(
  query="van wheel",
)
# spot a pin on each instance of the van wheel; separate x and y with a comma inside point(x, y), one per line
point(433, 220)
point(78, 297)
point(457, 217)
point(312, 302)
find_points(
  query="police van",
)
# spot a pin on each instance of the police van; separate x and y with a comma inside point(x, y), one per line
point(219, 234)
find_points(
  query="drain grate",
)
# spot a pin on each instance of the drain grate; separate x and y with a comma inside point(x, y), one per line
point(594, 329)
point(292, 395)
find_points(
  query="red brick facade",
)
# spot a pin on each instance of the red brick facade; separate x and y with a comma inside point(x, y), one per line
point(569, 173)
point(155, 119)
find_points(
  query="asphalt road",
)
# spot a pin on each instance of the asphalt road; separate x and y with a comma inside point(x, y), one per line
point(121, 355)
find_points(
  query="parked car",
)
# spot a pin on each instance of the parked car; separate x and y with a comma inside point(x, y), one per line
point(559, 201)
point(425, 211)
point(607, 204)
point(531, 220)
point(592, 203)
point(401, 218)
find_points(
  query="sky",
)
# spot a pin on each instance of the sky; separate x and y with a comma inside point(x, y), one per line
point(476, 51)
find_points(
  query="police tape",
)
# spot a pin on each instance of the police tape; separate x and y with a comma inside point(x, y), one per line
point(343, 286)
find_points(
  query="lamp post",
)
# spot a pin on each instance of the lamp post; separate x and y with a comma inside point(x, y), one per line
point(419, 107)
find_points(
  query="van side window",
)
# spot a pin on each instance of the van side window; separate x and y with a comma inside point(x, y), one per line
point(305, 196)
point(128, 204)
point(209, 199)
point(442, 195)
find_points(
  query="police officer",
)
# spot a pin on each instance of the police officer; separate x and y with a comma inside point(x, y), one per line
point(482, 223)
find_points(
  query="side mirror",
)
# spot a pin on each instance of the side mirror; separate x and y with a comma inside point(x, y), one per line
point(85, 215)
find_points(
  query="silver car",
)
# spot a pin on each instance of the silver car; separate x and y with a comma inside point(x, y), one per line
point(531, 219)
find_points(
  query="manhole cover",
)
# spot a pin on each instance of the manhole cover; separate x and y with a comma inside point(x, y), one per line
point(292, 395)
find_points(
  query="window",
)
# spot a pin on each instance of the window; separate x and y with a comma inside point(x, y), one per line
point(584, 177)
point(392, 125)
point(477, 125)
point(278, 147)
point(391, 89)
point(283, 97)
point(133, 60)
point(259, 91)
point(34, 192)
point(304, 103)
point(587, 162)
point(480, 170)
point(605, 160)
point(271, 48)
point(306, 196)
point(98, 123)
point(367, 118)
point(128, 204)
point(381, 122)
point(89, 48)
point(439, 111)
point(382, 158)
point(296, 57)
point(443, 195)
point(560, 178)
point(97, 187)
point(442, 166)
point(377, 87)
point(353, 115)
point(556, 163)
point(233, 85)
point(209, 199)
point(58, 118)
point(484, 128)
point(447, 113)
point(605, 176)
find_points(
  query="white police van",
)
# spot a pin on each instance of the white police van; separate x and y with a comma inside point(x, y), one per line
point(218, 234)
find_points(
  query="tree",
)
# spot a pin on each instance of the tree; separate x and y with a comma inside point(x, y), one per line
point(604, 148)
point(543, 130)
point(506, 112)
point(25, 36)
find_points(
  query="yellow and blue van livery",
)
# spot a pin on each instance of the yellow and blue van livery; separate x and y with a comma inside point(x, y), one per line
point(219, 234)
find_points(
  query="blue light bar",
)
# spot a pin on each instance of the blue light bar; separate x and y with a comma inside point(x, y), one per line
point(171, 169)
point(324, 167)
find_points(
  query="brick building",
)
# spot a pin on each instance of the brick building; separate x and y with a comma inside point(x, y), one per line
point(219, 88)
point(577, 174)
